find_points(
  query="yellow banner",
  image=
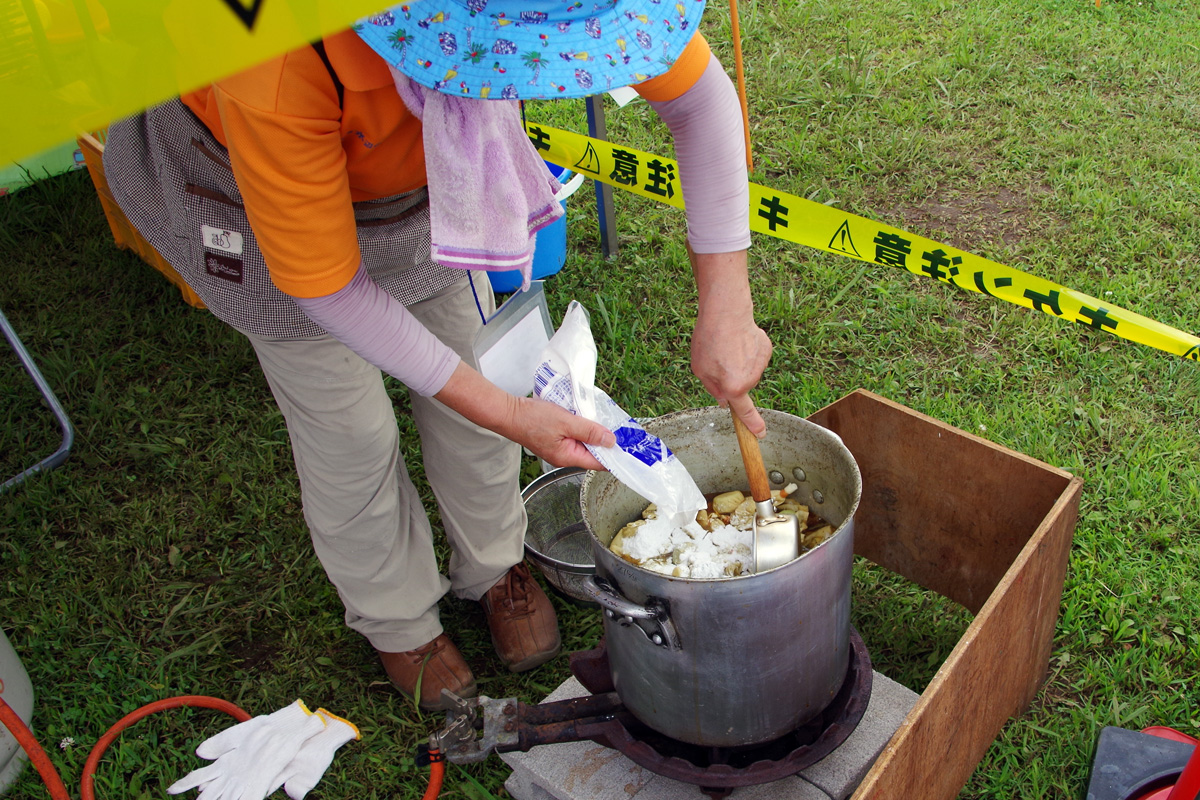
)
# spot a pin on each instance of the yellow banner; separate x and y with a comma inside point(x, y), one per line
point(69, 66)
point(796, 219)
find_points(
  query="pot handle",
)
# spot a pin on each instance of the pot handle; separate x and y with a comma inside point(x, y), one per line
point(651, 619)
point(606, 595)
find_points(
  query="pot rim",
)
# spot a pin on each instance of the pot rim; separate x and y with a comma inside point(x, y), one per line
point(768, 413)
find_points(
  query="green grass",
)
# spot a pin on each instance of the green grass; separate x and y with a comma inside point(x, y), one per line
point(168, 555)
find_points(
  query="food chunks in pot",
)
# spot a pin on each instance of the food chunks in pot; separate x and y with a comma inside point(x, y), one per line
point(718, 544)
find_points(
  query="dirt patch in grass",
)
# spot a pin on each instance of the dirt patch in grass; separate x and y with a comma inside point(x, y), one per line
point(976, 221)
point(254, 653)
point(984, 219)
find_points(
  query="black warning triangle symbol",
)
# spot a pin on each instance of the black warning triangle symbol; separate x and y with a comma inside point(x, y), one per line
point(247, 15)
point(590, 162)
point(842, 243)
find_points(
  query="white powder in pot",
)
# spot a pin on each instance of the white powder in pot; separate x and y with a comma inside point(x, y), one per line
point(690, 551)
point(719, 544)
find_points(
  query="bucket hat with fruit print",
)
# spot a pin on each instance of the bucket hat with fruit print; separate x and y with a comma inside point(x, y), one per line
point(531, 49)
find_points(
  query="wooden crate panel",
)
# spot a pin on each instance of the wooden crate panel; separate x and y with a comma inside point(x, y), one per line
point(984, 526)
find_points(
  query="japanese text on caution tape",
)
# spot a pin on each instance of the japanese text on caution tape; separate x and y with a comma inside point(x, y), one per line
point(797, 219)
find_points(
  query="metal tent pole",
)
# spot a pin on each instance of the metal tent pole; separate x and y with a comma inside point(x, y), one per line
point(60, 455)
point(605, 215)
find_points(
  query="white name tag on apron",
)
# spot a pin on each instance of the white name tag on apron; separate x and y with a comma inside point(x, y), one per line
point(218, 239)
point(510, 345)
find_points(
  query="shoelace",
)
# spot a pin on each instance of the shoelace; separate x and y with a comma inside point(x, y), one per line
point(516, 590)
point(430, 650)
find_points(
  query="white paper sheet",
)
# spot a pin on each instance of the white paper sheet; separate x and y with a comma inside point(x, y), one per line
point(510, 350)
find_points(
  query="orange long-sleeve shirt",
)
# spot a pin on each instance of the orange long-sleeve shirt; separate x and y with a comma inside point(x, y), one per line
point(301, 159)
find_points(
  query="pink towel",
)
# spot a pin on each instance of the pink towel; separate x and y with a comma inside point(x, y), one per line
point(489, 191)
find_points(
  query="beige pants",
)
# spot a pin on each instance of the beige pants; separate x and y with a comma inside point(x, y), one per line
point(367, 523)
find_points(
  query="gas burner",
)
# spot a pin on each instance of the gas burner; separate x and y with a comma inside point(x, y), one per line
point(477, 727)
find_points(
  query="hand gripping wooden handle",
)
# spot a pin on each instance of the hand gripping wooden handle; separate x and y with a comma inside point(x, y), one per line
point(756, 471)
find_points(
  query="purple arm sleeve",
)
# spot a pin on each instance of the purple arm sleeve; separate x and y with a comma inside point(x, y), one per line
point(710, 145)
point(382, 331)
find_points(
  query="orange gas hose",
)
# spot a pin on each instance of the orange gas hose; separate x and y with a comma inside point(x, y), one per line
point(741, 77)
point(36, 754)
point(46, 769)
point(437, 770)
point(86, 789)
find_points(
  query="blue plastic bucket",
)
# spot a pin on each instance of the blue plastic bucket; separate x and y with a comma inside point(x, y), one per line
point(549, 251)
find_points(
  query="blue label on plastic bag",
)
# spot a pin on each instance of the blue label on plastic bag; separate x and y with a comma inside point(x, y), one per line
point(645, 448)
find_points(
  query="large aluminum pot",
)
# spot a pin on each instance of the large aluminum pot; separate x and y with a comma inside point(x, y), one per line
point(734, 661)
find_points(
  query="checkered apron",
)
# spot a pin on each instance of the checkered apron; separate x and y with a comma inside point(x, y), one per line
point(173, 181)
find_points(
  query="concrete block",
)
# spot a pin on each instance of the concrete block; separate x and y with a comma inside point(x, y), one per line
point(840, 772)
point(588, 771)
point(575, 770)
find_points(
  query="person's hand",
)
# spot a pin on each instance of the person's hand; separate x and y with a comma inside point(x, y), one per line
point(550, 432)
point(729, 350)
point(558, 436)
point(729, 355)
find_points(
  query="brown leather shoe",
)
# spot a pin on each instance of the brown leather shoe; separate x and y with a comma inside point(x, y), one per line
point(522, 620)
point(437, 665)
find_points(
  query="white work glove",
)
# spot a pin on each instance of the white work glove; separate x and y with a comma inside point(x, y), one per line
point(305, 770)
point(250, 755)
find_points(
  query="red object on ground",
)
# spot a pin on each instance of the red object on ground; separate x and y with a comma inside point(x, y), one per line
point(1188, 784)
point(1163, 732)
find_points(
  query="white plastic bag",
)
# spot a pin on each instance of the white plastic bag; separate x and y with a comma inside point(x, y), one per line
point(566, 377)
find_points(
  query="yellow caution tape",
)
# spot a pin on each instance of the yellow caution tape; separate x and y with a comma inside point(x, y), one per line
point(796, 219)
point(71, 66)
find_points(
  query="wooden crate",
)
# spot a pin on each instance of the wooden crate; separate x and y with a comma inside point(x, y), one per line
point(984, 526)
point(123, 231)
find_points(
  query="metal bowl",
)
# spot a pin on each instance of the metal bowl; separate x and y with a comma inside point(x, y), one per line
point(556, 539)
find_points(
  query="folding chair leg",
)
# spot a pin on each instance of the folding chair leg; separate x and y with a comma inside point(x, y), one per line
point(60, 455)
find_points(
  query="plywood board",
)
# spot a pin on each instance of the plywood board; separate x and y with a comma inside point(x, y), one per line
point(985, 526)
